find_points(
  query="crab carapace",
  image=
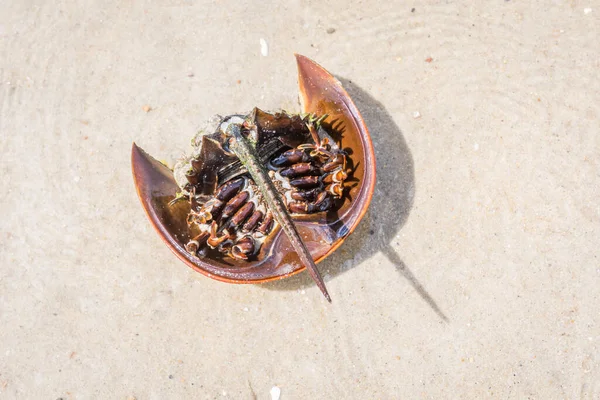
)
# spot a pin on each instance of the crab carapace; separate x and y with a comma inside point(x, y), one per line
point(211, 212)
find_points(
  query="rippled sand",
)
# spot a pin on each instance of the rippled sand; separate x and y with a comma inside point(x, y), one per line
point(475, 274)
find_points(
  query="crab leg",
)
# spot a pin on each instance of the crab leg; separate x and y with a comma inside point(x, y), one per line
point(246, 152)
point(290, 157)
point(265, 226)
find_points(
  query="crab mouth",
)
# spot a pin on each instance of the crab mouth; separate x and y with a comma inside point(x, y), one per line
point(322, 220)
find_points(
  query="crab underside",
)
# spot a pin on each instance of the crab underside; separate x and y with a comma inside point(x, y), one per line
point(228, 216)
point(316, 175)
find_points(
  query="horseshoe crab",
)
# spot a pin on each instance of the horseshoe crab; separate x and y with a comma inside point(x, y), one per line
point(264, 196)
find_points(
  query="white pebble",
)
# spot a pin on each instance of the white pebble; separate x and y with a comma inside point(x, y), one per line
point(587, 10)
point(264, 47)
point(275, 393)
point(416, 115)
point(476, 146)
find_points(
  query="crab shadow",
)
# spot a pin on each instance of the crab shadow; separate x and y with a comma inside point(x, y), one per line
point(389, 209)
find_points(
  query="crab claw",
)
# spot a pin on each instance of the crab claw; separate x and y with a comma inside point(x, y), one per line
point(243, 248)
point(335, 189)
point(215, 239)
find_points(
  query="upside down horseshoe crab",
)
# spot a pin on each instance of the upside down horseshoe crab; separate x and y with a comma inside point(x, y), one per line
point(264, 196)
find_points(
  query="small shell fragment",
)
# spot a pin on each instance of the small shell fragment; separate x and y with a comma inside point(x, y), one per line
point(275, 393)
point(264, 47)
